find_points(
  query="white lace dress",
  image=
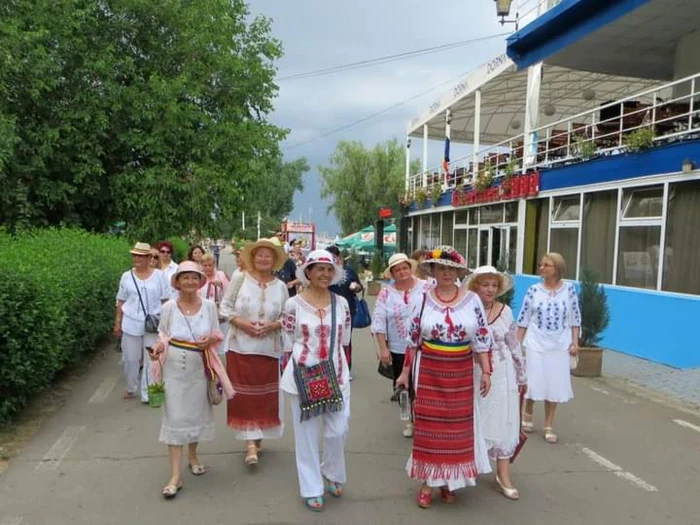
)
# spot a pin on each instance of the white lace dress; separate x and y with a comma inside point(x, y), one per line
point(548, 316)
point(188, 416)
point(500, 409)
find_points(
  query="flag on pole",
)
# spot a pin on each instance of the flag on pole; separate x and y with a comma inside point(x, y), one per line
point(446, 156)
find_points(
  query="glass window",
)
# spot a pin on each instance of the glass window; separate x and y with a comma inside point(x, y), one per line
point(566, 208)
point(425, 232)
point(461, 241)
point(512, 211)
point(483, 248)
point(461, 217)
point(414, 233)
point(434, 233)
point(642, 202)
point(681, 272)
point(492, 214)
point(447, 227)
point(473, 216)
point(565, 242)
point(598, 235)
point(471, 248)
point(638, 256)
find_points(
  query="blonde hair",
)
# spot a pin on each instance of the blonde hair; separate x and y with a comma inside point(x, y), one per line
point(558, 262)
point(207, 257)
point(475, 281)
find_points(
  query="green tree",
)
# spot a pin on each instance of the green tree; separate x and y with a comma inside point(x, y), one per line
point(154, 113)
point(361, 180)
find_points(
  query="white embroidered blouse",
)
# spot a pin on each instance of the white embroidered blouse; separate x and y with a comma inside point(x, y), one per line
point(549, 316)
point(393, 312)
point(255, 302)
point(462, 322)
point(307, 336)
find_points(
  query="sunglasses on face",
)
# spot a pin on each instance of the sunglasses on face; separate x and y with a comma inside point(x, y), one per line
point(165, 251)
point(153, 257)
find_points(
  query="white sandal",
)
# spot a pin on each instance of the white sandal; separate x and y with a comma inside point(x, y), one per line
point(509, 492)
point(528, 423)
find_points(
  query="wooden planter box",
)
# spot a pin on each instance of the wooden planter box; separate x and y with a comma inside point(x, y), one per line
point(590, 362)
point(373, 287)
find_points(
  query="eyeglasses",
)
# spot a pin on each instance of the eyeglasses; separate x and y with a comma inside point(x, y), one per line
point(153, 257)
point(165, 251)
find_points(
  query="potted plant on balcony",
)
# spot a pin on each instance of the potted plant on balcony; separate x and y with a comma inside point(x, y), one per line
point(595, 317)
point(435, 193)
point(421, 197)
point(377, 267)
point(639, 140)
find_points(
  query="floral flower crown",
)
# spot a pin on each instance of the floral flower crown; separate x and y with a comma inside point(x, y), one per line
point(445, 253)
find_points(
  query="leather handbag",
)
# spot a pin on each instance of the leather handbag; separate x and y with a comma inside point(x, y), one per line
point(151, 322)
point(362, 317)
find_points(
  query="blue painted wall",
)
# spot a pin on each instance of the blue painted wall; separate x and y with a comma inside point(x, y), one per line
point(657, 326)
point(662, 159)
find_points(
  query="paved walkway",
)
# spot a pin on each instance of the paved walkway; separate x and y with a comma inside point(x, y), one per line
point(683, 385)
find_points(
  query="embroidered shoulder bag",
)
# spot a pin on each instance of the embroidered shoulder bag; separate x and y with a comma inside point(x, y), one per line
point(319, 391)
point(150, 324)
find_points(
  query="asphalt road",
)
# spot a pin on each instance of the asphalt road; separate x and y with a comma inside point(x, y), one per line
point(621, 460)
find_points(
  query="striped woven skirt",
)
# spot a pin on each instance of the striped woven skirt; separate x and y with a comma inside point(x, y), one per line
point(443, 439)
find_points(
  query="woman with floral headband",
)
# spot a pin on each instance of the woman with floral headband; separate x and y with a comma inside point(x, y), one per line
point(449, 334)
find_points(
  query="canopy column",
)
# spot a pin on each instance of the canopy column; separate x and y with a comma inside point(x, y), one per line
point(477, 132)
point(532, 112)
point(446, 156)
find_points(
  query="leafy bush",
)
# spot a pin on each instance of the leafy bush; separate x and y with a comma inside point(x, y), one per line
point(57, 300)
point(378, 265)
point(595, 315)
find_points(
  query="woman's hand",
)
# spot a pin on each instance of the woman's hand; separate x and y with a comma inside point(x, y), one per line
point(573, 349)
point(522, 389)
point(156, 350)
point(402, 380)
point(265, 328)
point(248, 327)
point(354, 287)
point(385, 356)
point(117, 328)
point(485, 384)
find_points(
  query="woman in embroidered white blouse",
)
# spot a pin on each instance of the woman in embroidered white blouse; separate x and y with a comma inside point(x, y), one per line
point(548, 328)
point(312, 339)
point(253, 305)
point(393, 313)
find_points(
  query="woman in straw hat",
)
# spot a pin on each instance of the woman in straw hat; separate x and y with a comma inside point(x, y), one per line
point(500, 409)
point(253, 305)
point(448, 335)
point(393, 312)
point(317, 326)
point(142, 290)
point(548, 328)
point(185, 355)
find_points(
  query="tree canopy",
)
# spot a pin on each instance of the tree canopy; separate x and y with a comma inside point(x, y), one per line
point(361, 180)
point(152, 113)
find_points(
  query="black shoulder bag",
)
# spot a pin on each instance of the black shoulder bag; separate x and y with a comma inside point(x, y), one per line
point(151, 322)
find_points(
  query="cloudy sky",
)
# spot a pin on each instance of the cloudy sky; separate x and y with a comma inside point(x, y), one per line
point(319, 34)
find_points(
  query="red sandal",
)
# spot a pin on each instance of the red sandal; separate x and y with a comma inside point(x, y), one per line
point(448, 496)
point(424, 499)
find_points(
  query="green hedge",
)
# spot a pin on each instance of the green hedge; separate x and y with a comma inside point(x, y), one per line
point(180, 249)
point(57, 298)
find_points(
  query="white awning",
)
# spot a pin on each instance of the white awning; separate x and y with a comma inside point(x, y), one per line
point(563, 93)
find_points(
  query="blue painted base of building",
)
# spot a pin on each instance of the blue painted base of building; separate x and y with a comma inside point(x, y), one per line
point(657, 326)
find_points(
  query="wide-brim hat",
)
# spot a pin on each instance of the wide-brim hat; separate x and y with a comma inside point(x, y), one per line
point(141, 248)
point(188, 267)
point(272, 244)
point(320, 257)
point(505, 281)
point(396, 259)
point(444, 256)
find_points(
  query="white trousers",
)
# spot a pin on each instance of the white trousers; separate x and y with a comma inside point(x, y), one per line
point(133, 355)
point(310, 468)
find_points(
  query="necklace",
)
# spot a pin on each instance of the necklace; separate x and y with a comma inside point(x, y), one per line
point(446, 301)
point(189, 310)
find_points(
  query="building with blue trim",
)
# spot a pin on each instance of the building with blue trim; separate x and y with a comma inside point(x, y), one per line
point(584, 139)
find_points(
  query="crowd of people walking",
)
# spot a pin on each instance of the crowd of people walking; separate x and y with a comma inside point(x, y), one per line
point(280, 329)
